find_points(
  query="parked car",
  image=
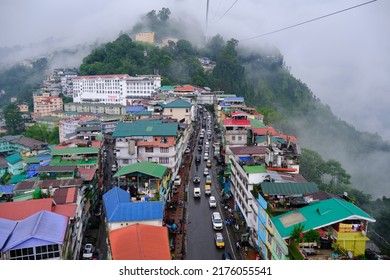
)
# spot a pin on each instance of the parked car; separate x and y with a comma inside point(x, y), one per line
point(206, 156)
point(206, 172)
point(88, 251)
point(188, 150)
point(212, 202)
point(219, 242)
point(196, 179)
point(217, 221)
point(177, 181)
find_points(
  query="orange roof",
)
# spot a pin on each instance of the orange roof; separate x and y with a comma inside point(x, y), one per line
point(19, 210)
point(67, 210)
point(140, 242)
point(87, 174)
point(264, 131)
point(185, 88)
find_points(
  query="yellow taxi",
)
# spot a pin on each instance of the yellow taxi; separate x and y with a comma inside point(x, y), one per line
point(208, 164)
point(208, 180)
point(219, 242)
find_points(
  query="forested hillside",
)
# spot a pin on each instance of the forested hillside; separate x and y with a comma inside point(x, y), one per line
point(335, 155)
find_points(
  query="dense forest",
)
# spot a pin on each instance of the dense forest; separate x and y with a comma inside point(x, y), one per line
point(336, 156)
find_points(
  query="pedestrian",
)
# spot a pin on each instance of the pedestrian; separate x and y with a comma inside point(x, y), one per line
point(238, 246)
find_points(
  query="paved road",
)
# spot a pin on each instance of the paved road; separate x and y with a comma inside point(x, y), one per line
point(200, 234)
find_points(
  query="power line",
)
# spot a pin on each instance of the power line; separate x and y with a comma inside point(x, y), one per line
point(311, 20)
point(228, 10)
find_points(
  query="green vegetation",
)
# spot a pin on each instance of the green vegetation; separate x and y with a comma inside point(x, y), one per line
point(42, 133)
point(13, 119)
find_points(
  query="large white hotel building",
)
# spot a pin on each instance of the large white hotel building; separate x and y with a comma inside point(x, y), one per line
point(114, 89)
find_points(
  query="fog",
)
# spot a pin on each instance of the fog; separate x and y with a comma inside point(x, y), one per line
point(343, 58)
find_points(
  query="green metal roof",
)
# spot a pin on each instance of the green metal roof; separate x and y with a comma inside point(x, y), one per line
point(289, 188)
point(17, 178)
point(319, 214)
point(167, 88)
point(253, 169)
point(145, 167)
point(145, 128)
point(257, 124)
point(77, 151)
point(57, 161)
point(178, 103)
point(15, 158)
point(142, 113)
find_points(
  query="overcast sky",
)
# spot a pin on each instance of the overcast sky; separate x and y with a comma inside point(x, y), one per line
point(343, 58)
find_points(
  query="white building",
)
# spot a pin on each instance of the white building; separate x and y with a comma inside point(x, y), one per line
point(114, 89)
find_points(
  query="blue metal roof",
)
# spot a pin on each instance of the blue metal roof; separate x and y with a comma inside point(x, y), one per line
point(7, 189)
point(6, 229)
point(133, 109)
point(232, 99)
point(42, 228)
point(118, 207)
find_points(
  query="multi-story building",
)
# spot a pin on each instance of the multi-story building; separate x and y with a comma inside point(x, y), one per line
point(146, 37)
point(95, 108)
point(150, 140)
point(114, 89)
point(179, 110)
point(45, 104)
point(236, 129)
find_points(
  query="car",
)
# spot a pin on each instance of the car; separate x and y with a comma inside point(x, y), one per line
point(207, 146)
point(206, 156)
point(208, 164)
point(197, 192)
point(200, 148)
point(206, 172)
point(208, 179)
point(188, 150)
point(98, 210)
point(212, 202)
point(207, 189)
point(226, 256)
point(88, 251)
point(196, 179)
point(197, 158)
point(219, 241)
point(177, 181)
point(217, 221)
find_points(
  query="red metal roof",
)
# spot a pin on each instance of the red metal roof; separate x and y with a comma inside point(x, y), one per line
point(87, 174)
point(140, 242)
point(120, 76)
point(67, 210)
point(264, 131)
point(185, 88)
point(20, 210)
point(233, 122)
point(65, 195)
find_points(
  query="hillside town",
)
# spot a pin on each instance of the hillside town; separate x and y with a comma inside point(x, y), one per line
point(144, 171)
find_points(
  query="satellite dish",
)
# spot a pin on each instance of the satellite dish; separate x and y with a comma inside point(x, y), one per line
point(350, 254)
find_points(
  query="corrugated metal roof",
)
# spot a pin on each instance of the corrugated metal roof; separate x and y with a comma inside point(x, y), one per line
point(149, 168)
point(19, 210)
point(118, 207)
point(319, 214)
point(39, 229)
point(57, 168)
point(77, 151)
point(288, 188)
point(178, 103)
point(15, 158)
point(140, 242)
point(145, 128)
point(6, 229)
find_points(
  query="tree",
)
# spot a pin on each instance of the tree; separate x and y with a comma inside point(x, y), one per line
point(13, 119)
point(164, 14)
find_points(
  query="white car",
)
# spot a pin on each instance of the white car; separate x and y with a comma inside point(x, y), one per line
point(206, 172)
point(206, 156)
point(88, 251)
point(177, 181)
point(217, 221)
point(212, 202)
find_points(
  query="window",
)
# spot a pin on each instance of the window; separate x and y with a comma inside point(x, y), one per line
point(186, 110)
point(233, 138)
point(164, 150)
point(239, 138)
point(148, 149)
point(164, 160)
